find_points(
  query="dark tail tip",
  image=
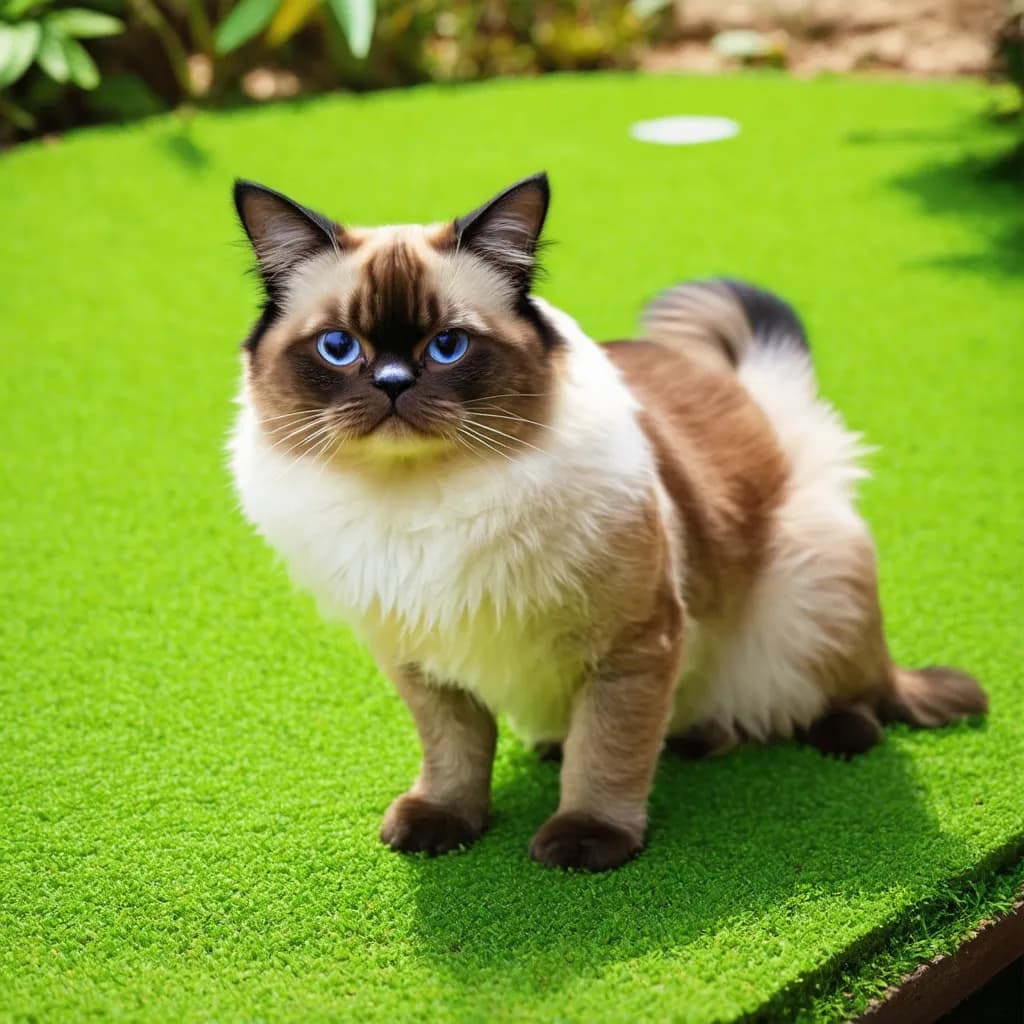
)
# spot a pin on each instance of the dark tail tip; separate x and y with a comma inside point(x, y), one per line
point(933, 696)
point(771, 318)
point(722, 319)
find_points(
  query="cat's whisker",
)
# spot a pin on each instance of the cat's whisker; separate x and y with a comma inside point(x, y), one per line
point(511, 394)
point(286, 415)
point(519, 419)
point(502, 433)
point(307, 425)
point(280, 432)
point(323, 453)
point(487, 442)
point(321, 436)
point(285, 431)
point(307, 439)
point(294, 429)
point(465, 444)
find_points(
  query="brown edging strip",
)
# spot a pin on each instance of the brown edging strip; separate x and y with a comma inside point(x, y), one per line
point(938, 986)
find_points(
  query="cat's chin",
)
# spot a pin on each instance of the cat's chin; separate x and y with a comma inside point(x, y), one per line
point(397, 438)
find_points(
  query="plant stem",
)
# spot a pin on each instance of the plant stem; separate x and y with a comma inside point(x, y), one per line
point(200, 27)
point(152, 16)
point(16, 114)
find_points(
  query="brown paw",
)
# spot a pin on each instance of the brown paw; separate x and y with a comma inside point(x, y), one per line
point(708, 739)
point(844, 732)
point(548, 750)
point(414, 825)
point(580, 841)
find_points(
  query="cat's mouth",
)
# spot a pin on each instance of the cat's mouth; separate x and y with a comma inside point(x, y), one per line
point(409, 418)
point(396, 435)
point(394, 424)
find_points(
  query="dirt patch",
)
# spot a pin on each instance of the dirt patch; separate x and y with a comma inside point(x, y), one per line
point(915, 37)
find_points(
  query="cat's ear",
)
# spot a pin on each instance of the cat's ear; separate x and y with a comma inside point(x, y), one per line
point(505, 231)
point(282, 232)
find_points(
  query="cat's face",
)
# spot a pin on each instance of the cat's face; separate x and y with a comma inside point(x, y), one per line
point(399, 343)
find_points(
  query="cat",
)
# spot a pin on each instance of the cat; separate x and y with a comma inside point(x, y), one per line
point(616, 546)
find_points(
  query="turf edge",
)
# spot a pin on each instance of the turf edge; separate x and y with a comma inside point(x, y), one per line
point(843, 987)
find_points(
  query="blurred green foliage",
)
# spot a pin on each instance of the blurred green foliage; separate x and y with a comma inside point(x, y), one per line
point(283, 18)
point(33, 34)
point(220, 52)
point(145, 56)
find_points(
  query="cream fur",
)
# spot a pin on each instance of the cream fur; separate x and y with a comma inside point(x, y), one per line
point(749, 671)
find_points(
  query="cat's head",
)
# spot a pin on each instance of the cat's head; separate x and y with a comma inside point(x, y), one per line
point(407, 342)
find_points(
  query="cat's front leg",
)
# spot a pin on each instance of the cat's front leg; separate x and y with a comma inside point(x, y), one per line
point(448, 805)
point(615, 736)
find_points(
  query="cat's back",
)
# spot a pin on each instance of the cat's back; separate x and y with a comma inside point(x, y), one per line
point(718, 456)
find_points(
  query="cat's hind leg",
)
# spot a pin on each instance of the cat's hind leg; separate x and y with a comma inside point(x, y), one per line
point(806, 657)
point(801, 651)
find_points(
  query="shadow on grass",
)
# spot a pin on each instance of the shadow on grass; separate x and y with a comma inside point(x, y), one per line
point(746, 842)
point(181, 146)
point(987, 193)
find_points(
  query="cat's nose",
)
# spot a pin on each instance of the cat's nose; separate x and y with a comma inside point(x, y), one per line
point(393, 378)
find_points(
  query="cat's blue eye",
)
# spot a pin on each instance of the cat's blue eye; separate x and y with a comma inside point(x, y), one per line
point(448, 346)
point(338, 348)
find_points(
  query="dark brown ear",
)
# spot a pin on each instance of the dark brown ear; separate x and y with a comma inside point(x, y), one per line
point(506, 230)
point(282, 232)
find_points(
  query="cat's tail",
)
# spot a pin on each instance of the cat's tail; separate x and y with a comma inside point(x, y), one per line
point(932, 696)
point(721, 320)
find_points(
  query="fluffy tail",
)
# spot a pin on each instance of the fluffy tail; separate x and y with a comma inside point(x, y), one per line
point(719, 320)
point(932, 696)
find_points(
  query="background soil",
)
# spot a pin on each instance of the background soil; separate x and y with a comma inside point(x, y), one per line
point(915, 37)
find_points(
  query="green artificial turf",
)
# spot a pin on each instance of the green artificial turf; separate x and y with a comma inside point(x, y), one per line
point(193, 766)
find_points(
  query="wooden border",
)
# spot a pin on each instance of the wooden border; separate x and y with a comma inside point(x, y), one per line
point(942, 984)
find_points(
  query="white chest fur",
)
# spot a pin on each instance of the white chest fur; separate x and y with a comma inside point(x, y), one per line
point(478, 574)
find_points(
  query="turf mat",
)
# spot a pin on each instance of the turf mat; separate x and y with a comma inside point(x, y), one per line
point(194, 766)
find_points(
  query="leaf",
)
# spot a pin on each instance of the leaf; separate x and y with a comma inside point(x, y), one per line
point(81, 66)
point(18, 46)
point(356, 19)
point(289, 19)
point(84, 24)
point(647, 8)
point(52, 57)
point(248, 18)
point(15, 10)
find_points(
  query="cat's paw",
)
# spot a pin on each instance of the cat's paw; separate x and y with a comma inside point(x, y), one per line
point(548, 751)
point(576, 840)
point(414, 825)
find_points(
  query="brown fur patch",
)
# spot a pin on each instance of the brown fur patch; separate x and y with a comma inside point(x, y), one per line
point(719, 461)
point(580, 841)
point(442, 236)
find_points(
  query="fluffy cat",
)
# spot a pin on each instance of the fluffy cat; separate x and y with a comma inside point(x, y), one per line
point(615, 546)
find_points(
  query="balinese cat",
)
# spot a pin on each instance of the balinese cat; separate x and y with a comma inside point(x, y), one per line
point(615, 546)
